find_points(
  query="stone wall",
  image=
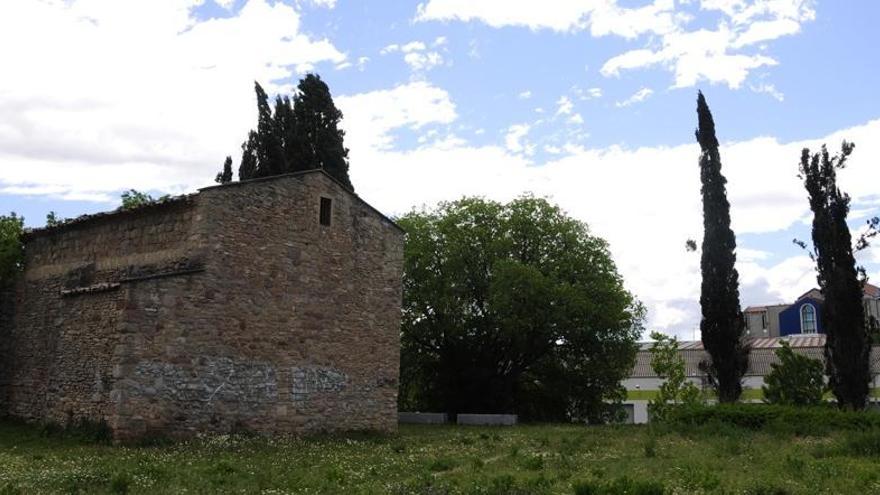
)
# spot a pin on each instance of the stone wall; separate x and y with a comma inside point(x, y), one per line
point(62, 342)
point(231, 309)
point(294, 328)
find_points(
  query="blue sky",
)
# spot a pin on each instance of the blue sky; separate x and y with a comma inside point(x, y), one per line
point(590, 103)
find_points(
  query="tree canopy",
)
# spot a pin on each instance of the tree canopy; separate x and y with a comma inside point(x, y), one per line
point(676, 389)
point(796, 380)
point(512, 308)
point(11, 249)
point(722, 326)
point(847, 345)
point(302, 134)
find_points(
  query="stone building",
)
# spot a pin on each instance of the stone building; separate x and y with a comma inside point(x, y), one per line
point(270, 305)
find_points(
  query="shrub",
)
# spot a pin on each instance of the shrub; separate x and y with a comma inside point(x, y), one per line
point(796, 380)
point(863, 444)
point(814, 420)
point(676, 389)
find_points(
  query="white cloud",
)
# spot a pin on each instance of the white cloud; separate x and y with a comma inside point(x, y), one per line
point(693, 56)
point(370, 117)
point(576, 119)
point(587, 94)
point(638, 97)
point(564, 106)
point(513, 140)
point(421, 61)
point(768, 89)
point(603, 17)
point(525, 95)
point(136, 94)
point(719, 55)
point(327, 4)
point(416, 54)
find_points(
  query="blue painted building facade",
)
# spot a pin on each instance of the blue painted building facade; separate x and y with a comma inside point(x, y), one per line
point(802, 317)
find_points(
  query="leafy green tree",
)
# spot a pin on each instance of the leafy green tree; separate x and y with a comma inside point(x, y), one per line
point(11, 248)
point(52, 219)
point(796, 380)
point(847, 346)
point(722, 325)
point(512, 308)
point(135, 199)
point(676, 389)
point(318, 138)
point(225, 176)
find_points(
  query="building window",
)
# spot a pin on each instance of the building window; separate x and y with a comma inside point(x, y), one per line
point(764, 321)
point(808, 318)
point(326, 209)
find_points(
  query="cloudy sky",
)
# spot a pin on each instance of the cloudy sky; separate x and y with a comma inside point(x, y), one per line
point(588, 102)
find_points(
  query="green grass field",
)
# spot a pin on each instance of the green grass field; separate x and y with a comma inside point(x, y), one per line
point(440, 460)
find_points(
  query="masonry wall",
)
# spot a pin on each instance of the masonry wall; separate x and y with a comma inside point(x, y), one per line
point(293, 328)
point(62, 339)
point(233, 309)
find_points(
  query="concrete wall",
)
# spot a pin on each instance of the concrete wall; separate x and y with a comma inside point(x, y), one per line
point(262, 319)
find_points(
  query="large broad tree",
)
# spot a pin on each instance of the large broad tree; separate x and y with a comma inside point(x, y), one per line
point(722, 325)
point(847, 346)
point(512, 308)
point(302, 134)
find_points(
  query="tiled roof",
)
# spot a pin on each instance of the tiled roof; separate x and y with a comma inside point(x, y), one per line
point(872, 290)
point(761, 355)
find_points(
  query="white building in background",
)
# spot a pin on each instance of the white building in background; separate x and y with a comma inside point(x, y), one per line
point(643, 384)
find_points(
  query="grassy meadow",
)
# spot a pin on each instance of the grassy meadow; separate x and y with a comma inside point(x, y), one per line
point(539, 459)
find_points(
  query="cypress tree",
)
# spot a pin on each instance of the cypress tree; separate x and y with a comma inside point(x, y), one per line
point(248, 167)
point(319, 141)
point(847, 346)
point(225, 176)
point(302, 134)
point(270, 159)
point(285, 129)
point(722, 325)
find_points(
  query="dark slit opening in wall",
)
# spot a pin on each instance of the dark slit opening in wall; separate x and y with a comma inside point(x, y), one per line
point(326, 205)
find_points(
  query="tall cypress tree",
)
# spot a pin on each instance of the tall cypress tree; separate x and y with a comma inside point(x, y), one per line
point(285, 129)
point(722, 326)
point(302, 134)
point(225, 176)
point(248, 167)
point(318, 137)
point(270, 158)
point(847, 346)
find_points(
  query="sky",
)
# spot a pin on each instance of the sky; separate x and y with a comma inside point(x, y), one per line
point(590, 103)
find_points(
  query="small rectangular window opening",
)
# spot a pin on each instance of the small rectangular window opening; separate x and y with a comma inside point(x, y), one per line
point(326, 206)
